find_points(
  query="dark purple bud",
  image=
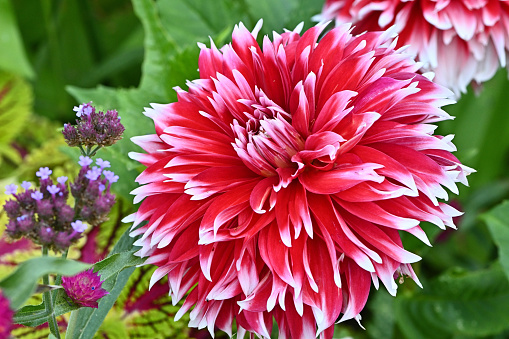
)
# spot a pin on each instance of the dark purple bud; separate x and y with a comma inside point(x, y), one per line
point(25, 223)
point(12, 209)
point(46, 235)
point(62, 240)
point(45, 208)
point(65, 214)
point(71, 135)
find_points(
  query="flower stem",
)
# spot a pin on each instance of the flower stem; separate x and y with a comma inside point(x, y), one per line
point(58, 281)
point(71, 326)
point(48, 303)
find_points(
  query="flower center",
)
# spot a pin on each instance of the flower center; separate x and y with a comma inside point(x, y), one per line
point(267, 142)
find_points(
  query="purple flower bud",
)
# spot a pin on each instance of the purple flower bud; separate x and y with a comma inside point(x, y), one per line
point(44, 208)
point(53, 189)
point(12, 208)
point(102, 187)
point(26, 185)
point(102, 163)
point(25, 223)
point(62, 240)
point(94, 173)
point(79, 226)
point(65, 214)
point(110, 176)
point(84, 161)
point(71, 135)
point(44, 172)
point(85, 288)
point(62, 180)
point(37, 195)
point(46, 235)
point(11, 189)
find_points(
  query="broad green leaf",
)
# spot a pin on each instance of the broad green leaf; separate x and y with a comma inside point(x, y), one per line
point(13, 57)
point(115, 263)
point(498, 223)
point(456, 304)
point(21, 284)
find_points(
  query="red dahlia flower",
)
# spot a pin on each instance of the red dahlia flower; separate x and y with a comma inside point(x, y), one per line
point(277, 185)
point(461, 41)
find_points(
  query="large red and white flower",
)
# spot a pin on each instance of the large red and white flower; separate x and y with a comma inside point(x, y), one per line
point(461, 41)
point(277, 185)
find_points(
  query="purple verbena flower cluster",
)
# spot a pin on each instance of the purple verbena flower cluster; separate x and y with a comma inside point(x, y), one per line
point(93, 128)
point(43, 214)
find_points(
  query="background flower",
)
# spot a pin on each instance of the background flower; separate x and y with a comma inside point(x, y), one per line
point(278, 183)
point(461, 41)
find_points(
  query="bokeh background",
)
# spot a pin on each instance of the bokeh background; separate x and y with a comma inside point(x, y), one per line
point(55, 54)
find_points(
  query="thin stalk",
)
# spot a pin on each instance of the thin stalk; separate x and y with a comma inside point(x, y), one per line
point(58, 281)
point(48, 302)
point(71, 326)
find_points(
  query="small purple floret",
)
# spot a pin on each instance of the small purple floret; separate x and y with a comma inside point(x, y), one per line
point(44, 172)
point(84, 161)
point(26, 185)
point(94, 173)
point(62, 179)
point(53, 189)
point(37, 195)
point(102, 163)
point(11, 189)
point(110, 176)
point(79, 226)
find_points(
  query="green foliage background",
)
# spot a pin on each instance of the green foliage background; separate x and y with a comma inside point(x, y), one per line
point(126, 55)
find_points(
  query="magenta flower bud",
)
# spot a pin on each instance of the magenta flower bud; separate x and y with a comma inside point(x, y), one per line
point(6, 314)
point(85, 288)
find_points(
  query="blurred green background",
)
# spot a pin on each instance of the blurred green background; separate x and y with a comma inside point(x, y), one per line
point(55, 54)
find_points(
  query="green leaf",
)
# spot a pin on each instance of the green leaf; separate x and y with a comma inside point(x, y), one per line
point(498, 223)
point(456, 304)
point(21, 284)
point(13, 57)
point(116, 263)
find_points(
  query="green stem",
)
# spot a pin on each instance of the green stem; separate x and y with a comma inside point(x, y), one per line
point(94, 151)
point(48, 302)
point(71, 326)
point(58, 281)
point(82, 150)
